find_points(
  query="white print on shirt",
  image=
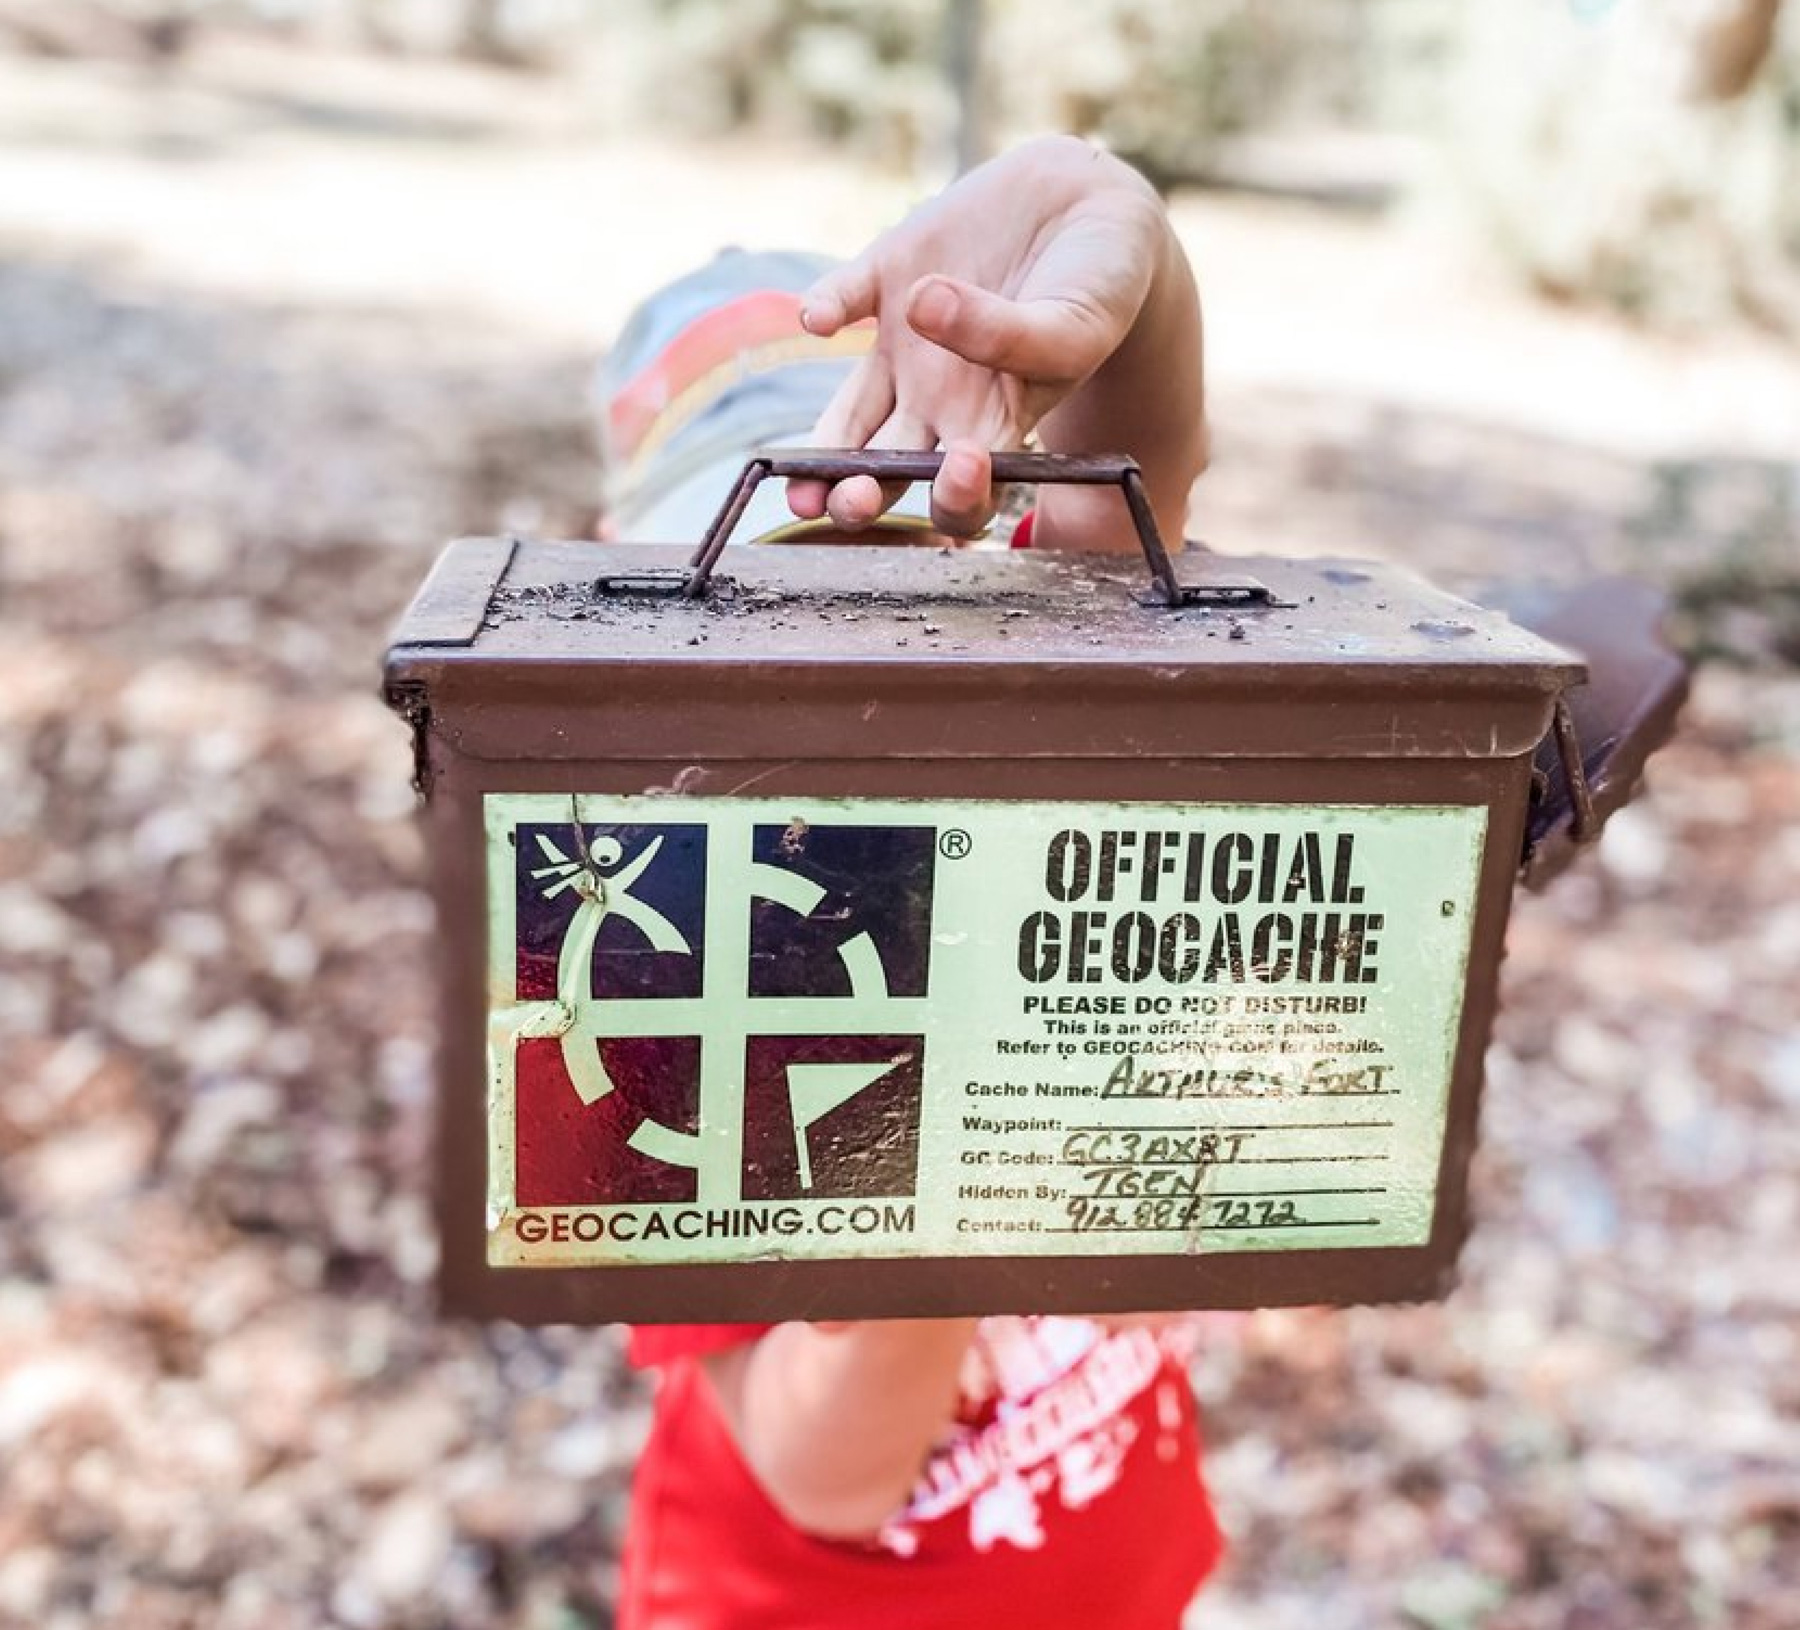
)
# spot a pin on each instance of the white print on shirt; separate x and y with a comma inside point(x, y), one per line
point(1059, 1388)
point(1168, 1421)
point(1089, 1467)
point(1006, 1510)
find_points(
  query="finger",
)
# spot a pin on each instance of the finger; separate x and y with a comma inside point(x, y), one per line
point(847, 294)
point(806, 499)
point(1056, 337)
point(962, 497)
point(861, 406)
point(862, 499)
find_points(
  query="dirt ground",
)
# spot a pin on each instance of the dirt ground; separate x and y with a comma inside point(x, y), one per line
point(264, 344)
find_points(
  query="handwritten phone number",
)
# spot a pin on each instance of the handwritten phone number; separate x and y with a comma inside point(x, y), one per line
point(1099, 1216)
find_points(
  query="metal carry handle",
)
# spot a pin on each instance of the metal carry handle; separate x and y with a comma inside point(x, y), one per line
point(827, 464)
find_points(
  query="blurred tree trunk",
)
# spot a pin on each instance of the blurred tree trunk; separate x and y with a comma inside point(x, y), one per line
point(483, 34)
point(967, 83)
point(373, 24)
point(95, 30)
point(1731, 46)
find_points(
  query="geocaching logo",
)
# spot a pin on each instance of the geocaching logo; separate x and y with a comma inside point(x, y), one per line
point(719, 1016)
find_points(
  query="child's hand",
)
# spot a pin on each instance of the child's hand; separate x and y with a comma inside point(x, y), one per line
point(1044, 288)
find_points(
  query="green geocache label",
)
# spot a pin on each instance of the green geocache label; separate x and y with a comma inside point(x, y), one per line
point(737, 1029)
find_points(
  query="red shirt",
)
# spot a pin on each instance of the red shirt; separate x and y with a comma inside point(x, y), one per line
point(1069, 1495)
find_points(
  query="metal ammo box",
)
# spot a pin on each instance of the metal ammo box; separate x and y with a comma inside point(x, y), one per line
point(875, 931)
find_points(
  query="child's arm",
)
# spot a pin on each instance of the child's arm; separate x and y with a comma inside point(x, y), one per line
point(1044, 291)
point(835, 1421)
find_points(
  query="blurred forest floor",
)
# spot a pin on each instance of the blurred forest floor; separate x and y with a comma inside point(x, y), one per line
point(269, 334)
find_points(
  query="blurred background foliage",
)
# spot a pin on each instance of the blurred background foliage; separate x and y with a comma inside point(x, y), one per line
point(292, 290)
point(1641, 154)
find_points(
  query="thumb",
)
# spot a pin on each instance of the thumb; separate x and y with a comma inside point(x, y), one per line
point(1051, 338)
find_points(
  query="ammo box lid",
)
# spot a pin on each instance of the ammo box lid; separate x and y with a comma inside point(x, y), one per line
point(1040, 654)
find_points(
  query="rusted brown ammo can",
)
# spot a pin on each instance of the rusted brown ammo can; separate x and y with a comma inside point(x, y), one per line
point(875, 931)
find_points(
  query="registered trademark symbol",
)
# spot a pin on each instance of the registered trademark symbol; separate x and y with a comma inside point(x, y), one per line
point(955, 843)
point(1447, 908)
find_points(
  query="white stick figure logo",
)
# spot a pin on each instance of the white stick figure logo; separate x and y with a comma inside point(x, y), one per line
point(604, 892)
